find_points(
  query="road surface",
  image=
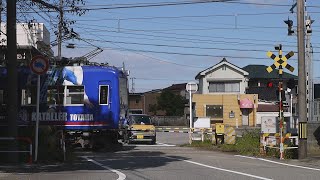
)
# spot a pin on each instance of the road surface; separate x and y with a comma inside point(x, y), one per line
point(167, 160)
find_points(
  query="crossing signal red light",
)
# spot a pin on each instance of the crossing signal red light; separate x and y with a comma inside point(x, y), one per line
point(269, 84)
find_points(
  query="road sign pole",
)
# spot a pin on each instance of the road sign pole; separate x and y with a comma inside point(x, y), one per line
point(37, 120)
point(191, 87)
point(190, 116)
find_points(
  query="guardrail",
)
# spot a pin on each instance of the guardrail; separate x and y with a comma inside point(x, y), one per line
point(25, 139)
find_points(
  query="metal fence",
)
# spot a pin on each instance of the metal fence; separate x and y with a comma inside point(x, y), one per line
point(23, 139)
point(170, 121)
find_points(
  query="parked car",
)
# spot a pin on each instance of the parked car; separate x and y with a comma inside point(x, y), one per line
point(141, 129)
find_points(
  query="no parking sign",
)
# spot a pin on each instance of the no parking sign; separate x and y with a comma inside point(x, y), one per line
point(39, 65)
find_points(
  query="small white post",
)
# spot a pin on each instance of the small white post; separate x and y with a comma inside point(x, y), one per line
point(237, 123)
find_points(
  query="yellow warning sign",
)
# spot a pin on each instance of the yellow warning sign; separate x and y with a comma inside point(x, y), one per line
point(219, 128)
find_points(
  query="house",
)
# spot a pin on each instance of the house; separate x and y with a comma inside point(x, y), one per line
point(222, 95)
point(316, 109)
point(266, 86)
point(146, 102)
point(224, 86)
point(136, 103)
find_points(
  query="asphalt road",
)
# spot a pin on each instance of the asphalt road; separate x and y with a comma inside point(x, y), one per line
point(167, 160)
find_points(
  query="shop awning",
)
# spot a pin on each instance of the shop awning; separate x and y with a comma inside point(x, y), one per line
point(246, 104)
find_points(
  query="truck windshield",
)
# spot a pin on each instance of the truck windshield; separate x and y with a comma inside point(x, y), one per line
point(141, 119)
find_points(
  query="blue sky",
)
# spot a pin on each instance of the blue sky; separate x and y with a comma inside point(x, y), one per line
point(188, 38)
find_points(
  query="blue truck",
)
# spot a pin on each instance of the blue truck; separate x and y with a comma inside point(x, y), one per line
point(88, 102)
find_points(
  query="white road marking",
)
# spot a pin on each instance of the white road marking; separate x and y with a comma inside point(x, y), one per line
point(221, 169)
point(248, 157)
point(147, 145)
point(120, 174)
point(284, 164)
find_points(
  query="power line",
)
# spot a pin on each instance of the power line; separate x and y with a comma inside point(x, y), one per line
point(179, 34)
point(150, 57)
point(175, 46)
point(183, 17)
point(145, 5)
point(185, 54)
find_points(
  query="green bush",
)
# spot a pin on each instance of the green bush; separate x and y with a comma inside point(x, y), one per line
point(228, 148)
point(249, 144)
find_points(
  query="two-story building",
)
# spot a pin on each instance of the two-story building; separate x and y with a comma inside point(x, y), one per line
point(225, 89)
point(222, 96)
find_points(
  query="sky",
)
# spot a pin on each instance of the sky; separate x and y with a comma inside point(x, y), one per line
point(165, 45)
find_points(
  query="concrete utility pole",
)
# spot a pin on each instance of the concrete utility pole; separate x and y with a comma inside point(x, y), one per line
point(0, 12)
point(11, 60)
point(301, 81)
point(60, 29)
point(309, 69)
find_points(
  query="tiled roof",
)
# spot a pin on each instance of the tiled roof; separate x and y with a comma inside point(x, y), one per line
point(224, 60)
point(260, 72)
point(175, 87)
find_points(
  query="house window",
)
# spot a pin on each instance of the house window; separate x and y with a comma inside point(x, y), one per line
point(224, 68)
point(214, 111)
point(55, 94)
point(224, 86)
point(104, 94)
point(74, 95)
point(29, 96)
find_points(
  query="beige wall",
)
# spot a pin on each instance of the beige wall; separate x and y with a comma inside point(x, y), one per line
point(229, 102)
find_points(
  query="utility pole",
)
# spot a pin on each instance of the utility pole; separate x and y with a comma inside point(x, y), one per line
point(132, 85)
point(309, 67)
point(302, 106)
point(12, 83)
point(0, 13)
point(60, 30)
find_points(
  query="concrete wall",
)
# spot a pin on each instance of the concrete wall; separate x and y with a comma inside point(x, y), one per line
point(230, 103)
point(170, 121)
point(313, 140)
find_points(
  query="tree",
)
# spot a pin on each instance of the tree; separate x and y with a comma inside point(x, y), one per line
point(171, 103)
point(153, 108)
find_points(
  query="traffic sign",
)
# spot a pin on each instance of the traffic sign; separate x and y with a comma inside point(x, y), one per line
point(39, 65)
point(192, 87)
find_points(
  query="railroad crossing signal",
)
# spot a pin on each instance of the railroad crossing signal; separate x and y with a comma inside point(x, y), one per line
point(280, 61)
